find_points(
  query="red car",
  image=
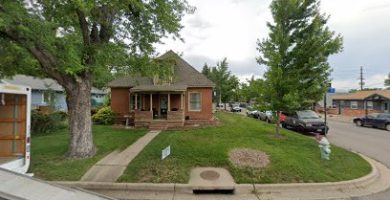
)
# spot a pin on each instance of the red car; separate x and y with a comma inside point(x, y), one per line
point(282, 117)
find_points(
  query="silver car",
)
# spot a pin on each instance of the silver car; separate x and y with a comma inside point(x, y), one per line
point(266, 116)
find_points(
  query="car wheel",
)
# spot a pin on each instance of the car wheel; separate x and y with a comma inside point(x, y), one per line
point(388, 127)
point(359, 123)
point(300, 129)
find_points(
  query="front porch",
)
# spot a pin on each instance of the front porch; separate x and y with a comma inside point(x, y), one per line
point(158, 110)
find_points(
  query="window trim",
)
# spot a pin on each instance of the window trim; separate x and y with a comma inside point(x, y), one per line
point(189, 101)
point(350, 105)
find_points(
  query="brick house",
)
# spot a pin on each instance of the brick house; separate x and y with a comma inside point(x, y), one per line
point(185, 97)
point(361, 102)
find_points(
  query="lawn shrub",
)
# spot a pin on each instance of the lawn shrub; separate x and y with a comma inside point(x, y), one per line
point(43, 123)
point(104, 116)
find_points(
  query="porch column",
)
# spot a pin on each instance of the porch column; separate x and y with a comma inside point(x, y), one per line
point(151, 102)
point(136, 102)
point(169, 101)
point(182, 101)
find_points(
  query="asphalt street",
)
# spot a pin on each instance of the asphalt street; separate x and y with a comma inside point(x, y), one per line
point(372, 142)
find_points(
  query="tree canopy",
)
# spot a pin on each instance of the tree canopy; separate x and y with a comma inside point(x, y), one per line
point(226, 84)
point(387, 81)
point(79, 43)
point(295, 54)
point(252, 90)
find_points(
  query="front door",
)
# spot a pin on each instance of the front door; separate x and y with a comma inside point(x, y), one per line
point(163, 105)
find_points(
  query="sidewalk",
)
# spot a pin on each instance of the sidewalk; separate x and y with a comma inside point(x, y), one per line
point(376, 181)
point(19, 186)
point(111, 167)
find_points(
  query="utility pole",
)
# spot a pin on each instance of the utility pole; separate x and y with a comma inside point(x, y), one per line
point(361, 83)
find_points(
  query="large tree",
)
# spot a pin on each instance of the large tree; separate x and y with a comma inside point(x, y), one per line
point(252, 90)
point(226, 84)
point(296, 53)
point(76, 42)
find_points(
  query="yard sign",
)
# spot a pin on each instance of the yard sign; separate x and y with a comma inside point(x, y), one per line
point(165, 152)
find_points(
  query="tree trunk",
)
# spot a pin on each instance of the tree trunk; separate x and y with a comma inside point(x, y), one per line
point(277, 134)
point(78, 99)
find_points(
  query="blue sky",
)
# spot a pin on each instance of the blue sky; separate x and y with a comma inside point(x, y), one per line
point(230, 28)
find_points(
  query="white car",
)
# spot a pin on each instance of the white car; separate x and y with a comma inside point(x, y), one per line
point(236, 109)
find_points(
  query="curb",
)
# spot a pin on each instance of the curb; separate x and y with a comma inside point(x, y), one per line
point(375, 181)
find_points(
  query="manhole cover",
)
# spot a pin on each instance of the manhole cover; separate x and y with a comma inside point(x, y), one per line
point(209, 175)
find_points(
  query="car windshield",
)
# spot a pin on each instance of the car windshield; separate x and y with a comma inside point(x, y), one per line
point(384, 116)
point(372, 115)
point(307, 114)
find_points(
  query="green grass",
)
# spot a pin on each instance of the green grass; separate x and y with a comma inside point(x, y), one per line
point(48, 152)
point(296, 158)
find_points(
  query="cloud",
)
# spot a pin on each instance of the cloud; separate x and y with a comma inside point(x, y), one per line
point(371, 81)
point(242, 69)
point(230, 28)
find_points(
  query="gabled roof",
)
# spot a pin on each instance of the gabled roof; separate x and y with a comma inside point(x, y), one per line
point(362, 95)
point(184, 75)
point(41, 83)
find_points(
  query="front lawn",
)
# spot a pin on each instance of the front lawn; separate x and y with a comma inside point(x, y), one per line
point(47, 152)
point(296, 158)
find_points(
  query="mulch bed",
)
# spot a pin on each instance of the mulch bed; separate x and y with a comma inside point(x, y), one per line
point(249, 158)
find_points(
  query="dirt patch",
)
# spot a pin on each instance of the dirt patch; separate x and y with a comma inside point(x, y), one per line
point(248, 158)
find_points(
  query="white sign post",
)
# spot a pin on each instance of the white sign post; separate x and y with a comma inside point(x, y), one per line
point(165, 152)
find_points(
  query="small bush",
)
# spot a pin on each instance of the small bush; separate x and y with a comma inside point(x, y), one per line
point(42, 123)
point(62, 114)
point(104, 116)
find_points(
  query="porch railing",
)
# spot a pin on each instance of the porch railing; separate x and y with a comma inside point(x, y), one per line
point(175, 115)
point(143, 116)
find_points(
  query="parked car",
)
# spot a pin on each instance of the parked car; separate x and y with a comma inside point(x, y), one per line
point(253, 113)
point(221, 106)
point(305, 121)
point(376, 120)
point(235, 109)
point(282, 117)
point(266, 116)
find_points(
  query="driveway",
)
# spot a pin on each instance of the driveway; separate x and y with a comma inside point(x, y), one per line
point(374, 143)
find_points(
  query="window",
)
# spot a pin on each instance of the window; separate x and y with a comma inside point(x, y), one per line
point(354, 104)
point(47, 97)
point(195, 102)
point(370, 105)
point(132, 102)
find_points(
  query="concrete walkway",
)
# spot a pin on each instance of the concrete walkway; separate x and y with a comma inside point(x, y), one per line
point(111, 167)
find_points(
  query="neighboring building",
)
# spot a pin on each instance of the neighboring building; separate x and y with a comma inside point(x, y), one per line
point(44, 91)
point(362, 102)
point(185, 97)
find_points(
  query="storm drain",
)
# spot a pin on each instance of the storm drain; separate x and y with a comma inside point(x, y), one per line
point(210, 180)
point(219, 191)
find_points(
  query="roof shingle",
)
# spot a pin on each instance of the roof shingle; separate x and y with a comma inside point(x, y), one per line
point(185, 75)
point(361, 95)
